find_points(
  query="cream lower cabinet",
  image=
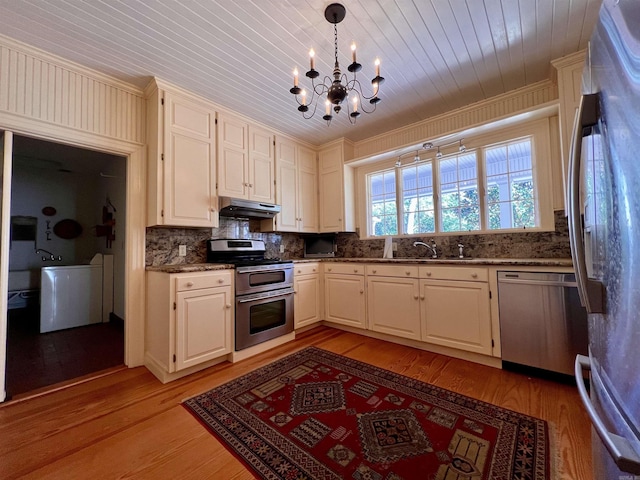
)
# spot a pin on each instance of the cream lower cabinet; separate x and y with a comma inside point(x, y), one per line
point(307, 289)
point(189, 319)
point(455, 308)
point(344, 290)
point(393, 300)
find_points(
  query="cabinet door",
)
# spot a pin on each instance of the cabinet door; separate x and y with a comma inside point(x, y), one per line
point(345, 300)
point(394, 306)
point(189, 164)
point(306, 301)
point(308, 190)
point(261, 169)
point(456, 314)
point(286, 186)
point(203, 325)
point(331, 190)
point(232, 157)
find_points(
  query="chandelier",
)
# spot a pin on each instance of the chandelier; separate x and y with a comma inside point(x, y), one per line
point(341, 87)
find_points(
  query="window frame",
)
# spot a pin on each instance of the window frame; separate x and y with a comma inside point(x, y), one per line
point(537, 130)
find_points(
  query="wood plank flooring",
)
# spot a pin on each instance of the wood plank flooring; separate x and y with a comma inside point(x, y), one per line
point(129, 425)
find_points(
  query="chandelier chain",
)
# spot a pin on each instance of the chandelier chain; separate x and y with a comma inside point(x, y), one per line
point(335, 41)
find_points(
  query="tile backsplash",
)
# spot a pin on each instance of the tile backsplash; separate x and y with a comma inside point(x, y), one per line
point(162, 243)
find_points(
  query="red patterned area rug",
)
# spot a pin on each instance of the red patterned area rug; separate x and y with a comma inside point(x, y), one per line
point(319, 415)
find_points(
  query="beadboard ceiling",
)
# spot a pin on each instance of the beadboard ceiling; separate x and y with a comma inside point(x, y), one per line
point(436, 55)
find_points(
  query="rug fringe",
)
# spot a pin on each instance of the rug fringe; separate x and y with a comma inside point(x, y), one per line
point(555, 457)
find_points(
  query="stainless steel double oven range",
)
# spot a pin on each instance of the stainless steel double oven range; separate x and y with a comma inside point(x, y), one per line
point(263, 290)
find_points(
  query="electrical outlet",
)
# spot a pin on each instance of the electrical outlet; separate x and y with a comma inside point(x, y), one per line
point(394, 246)
point(182, 251)
point(281, 248)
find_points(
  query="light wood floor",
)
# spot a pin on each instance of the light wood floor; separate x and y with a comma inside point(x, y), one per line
point(129, 425)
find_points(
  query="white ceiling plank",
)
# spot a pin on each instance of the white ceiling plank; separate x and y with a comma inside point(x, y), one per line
point(437, 55)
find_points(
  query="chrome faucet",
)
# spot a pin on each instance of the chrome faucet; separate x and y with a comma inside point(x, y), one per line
point(432, 247)
point(52, 257)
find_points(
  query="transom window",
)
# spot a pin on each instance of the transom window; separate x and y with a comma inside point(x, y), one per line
point(489, 188)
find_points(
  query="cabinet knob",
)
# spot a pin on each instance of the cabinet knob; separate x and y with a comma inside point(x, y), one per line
point(421, 297)
point(415, 296)
point(295, 291)
point(339, 219)
point(428, 274)
point(408, 272)
point(361, 291)
point(221, 280)
point(189, 284)
point(374, 271)
point(228, 305)
point(329, 269)
point(314, 269)
point(355, 270)
point(251, 185)
point(474, 275)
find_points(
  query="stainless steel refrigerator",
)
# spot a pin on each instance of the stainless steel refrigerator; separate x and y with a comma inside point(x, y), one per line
point(604, 220)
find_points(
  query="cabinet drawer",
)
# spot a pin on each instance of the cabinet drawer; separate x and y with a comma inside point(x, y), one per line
point(202, 280)
point(406, 271)
point(473, 274)
point(345, 268)
point(306, 268)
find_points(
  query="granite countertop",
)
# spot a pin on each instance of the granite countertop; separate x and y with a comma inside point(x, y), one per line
point(525, 262)
point(190, 267)
point(534, 262)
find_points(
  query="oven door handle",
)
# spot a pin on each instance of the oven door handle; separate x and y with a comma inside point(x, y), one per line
point(260, 296)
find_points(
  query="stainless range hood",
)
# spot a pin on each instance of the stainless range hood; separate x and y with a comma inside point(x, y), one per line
point(241, 208)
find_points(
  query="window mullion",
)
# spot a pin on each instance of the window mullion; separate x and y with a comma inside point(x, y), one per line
point(399, 204)
point(435, 176)
point(482, 195)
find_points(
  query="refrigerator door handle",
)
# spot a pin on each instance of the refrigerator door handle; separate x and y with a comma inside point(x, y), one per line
point(591, 292)
point(619, 447)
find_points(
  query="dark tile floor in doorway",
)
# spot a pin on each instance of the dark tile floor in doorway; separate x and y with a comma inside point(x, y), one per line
point(36, 360)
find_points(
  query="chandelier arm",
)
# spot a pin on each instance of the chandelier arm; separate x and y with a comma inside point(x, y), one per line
point(351, 85)
point(355, 86)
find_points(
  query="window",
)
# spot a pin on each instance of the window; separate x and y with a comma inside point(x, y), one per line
point(496, 185)
point(510, 192)
point(382, 188)
point(418, 205)
point(460, 199)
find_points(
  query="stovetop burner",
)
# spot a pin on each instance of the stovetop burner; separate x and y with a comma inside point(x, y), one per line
point(240, 252)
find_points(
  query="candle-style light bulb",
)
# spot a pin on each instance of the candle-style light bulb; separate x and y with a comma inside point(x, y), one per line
point(295, 77)
point(375, 89)
point(353, 52)
point(355, 104)
point(304, 96)
point(312, 60)
point(377, 64)
point(327, 105)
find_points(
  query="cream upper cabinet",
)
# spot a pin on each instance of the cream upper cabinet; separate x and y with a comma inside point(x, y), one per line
point(393, 300)
point(344, 291)
point(336, 181)
point(181, 165)
point(296, 189)
point(245, 160)
point(455, 308)
point(570, 70)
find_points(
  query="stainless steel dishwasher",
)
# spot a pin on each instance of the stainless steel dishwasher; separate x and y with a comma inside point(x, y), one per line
point(542, 323)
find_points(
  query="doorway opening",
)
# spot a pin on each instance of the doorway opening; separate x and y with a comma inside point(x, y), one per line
point(66, 308)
